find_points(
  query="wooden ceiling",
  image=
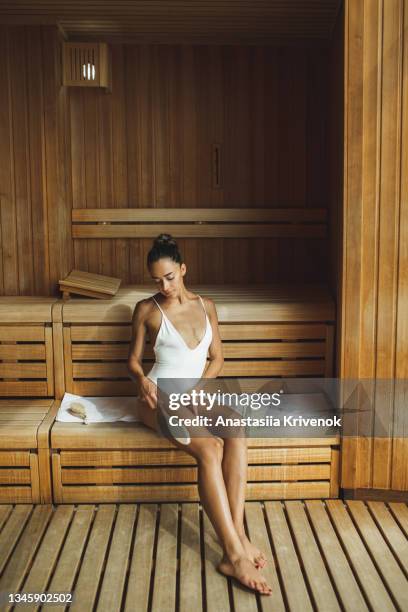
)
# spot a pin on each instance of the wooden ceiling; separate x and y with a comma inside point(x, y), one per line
point(180, 21)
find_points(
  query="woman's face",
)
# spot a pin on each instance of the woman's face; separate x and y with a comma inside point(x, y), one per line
point(168, 275)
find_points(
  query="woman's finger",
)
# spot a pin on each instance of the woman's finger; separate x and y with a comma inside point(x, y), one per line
point(150, 402)
point(153, 391)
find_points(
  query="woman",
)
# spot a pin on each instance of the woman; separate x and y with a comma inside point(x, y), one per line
point(183, 329)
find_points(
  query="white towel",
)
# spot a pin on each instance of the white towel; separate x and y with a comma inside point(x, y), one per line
point(99, 409)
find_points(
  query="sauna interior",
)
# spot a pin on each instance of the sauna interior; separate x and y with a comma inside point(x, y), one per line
point(270, 138)
point(234, 110)
point(223, 124)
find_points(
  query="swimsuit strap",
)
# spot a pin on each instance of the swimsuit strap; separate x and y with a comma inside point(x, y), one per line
point(202, 301)
point(157, 304)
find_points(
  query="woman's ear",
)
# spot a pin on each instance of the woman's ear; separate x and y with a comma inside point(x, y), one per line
point(183, 269)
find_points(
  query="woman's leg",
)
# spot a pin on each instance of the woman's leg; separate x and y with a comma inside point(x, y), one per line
point(235, 469)
point(208, 452)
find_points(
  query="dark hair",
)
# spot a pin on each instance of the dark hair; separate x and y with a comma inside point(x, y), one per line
point(164, 246)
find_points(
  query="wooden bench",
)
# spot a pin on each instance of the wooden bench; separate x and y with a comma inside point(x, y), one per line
point(266, 331)
point(26, 349)
point(281, 331)
point(199, 222)
point(123, 462)
point(26, 371)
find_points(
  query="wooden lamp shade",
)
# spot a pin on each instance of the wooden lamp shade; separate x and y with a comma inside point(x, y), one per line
point(86, 64)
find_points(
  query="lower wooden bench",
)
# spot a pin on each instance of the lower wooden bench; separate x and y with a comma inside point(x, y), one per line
point(124, 462)
point(24, 450)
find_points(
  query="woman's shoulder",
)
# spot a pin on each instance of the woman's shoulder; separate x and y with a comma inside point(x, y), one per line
point(209, 305)
point(207, 300)
point(143, 308)
point(145, 303)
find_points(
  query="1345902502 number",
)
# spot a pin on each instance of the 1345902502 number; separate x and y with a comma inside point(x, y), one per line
point(40, 598)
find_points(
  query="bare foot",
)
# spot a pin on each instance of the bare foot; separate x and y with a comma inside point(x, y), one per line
point(253, 553)
point(244, 571)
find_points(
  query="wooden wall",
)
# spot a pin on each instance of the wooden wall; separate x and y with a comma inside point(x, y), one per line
point(35, 210)
point(149, 144)
point(336, 169)
point(374, 342)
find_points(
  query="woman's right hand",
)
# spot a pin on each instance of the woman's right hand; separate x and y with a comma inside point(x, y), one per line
point(148, 392)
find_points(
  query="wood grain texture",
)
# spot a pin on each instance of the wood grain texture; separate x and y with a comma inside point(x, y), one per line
point(64, 149)
point(26, 366)
point(26, 473)
point(250, 349)
point(353, 567)
point(208, 22)
point(35, 238)
point(374, 335)
point(248, 305)
point(336, 95)
point(159, 162)
point(94, 285)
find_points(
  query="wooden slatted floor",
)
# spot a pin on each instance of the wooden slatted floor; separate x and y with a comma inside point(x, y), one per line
point(323, 555)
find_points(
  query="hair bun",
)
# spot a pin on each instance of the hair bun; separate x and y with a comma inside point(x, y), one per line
point(165, 240)
point(164, 246)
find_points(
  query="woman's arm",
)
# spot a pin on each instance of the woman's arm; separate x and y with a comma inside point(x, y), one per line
point(216, 358)
point(147, 388)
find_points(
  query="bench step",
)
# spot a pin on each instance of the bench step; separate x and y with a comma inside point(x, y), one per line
point(127, 462)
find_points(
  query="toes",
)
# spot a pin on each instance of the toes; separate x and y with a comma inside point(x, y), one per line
point(266, 589)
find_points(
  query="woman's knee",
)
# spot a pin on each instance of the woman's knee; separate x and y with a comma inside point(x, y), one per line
point(209, 450)
point(236, 441)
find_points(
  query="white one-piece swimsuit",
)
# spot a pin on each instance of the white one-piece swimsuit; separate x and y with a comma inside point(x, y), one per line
point(173, 358)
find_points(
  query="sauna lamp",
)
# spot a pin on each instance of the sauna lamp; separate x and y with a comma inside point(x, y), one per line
point(89, 71)
point(86, 65)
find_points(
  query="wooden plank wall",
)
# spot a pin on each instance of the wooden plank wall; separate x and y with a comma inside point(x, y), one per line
point(374, 342)
point(35, 209)
point(150, 143)
point(336, 169)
